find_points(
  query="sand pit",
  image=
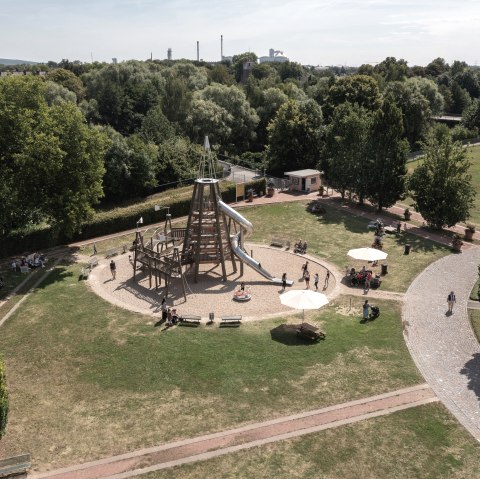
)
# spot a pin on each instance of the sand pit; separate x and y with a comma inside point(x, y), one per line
point(210, 294)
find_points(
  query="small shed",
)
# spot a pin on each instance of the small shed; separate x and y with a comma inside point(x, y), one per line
point(304, 180)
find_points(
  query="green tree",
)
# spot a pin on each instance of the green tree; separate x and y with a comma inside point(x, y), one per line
point(392, 69)
point(429, 89)
point(3, 400)
point(239, 60)
point(442, 185)
point(388, 154)
point(271, 100)
point(68, 80)
point(233, 109)
point(471, 116)
point(415, 109)
point(295, 137)
point(176, 100)
point(360, 89)
point(51, 160)
point(220, 74)
point(156, 127)
point(178, 160)
point(346, 146)
point(436, 67)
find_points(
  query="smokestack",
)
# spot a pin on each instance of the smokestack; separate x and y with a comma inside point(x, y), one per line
point(221, 47)
point(169, 53)
point(198, 51)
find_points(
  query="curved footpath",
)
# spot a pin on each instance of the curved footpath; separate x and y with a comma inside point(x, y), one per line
point(443, 346)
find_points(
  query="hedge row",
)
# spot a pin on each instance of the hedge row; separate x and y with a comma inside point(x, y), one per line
point(117, 219)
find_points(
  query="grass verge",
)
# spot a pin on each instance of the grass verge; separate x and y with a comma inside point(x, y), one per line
point(88, 380)
point(422, 442)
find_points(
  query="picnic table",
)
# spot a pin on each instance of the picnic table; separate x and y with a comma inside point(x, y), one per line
point(310, 332)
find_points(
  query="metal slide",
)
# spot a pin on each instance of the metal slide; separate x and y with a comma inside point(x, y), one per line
point(236, 242)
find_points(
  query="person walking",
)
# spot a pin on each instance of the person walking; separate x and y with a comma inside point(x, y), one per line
point(284, 281)
point(451, 300)
point(307, 279)
point(368, 278)
point(94, 249)
point(366, 309)
point(315, 281)
point(327, 277)
point(113, 269)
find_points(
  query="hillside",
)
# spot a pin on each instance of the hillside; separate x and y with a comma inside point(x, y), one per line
point(7, 61)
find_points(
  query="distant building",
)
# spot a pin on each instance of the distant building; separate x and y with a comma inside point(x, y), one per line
point(247, 68)
point(304, 180)
point(274, 56)
point(114, 61)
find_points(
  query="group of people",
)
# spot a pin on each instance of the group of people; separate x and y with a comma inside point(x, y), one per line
point(300, 247)
point(316, 277)
point(32, 261)
point(356, 278)
point(170, 316)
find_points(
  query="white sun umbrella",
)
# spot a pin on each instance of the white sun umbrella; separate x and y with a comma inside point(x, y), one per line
point(367, 254)
point(303, 299)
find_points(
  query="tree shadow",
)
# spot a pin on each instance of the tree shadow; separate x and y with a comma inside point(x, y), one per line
point(471, 369)
point(287, 334)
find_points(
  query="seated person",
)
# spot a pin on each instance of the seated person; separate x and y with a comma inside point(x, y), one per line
point(298, 246)
point(304, 247)
point(378, 240)
point(362, 271)
point(352, 272)
point(169, 317)
point(175, 316)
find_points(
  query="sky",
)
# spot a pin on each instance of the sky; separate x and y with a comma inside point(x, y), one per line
point(311, 32)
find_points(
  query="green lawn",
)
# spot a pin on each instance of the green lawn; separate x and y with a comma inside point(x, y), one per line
point(475, 321)
point(473, 153)
point(330, 236)
point(422, 443)
point(88, 379)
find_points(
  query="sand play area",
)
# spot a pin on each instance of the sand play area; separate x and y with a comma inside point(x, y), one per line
point(210, 294)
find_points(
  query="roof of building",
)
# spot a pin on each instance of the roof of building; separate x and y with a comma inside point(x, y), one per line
point(302, 173)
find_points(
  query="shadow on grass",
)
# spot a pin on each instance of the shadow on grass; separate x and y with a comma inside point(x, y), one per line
point(471, 370)
point(287, 334)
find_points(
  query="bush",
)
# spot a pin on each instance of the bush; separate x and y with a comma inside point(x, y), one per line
point(115, 220)
point(3, 400)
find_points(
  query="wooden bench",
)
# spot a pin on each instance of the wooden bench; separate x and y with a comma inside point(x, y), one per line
point(231, 319)
point(112, 252)
point(85, 272)
point(93, 262)
point(281, 243)
point(190, 319)
point(15, 466)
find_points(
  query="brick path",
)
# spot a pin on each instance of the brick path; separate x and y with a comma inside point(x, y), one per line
point(444, 347)
point(253, 435)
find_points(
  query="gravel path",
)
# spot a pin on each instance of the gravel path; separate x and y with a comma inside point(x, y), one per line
point(443, 346)
point(211, 294)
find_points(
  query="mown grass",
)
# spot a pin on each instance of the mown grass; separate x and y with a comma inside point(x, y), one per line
point(88, 379)
point(424, 442)
point(475, 321)
point(331, 235)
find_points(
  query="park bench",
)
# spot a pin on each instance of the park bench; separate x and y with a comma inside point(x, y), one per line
point(309, 332)
point(93, 262)
point(280, 242)
point(112, 252)
point(85, 272)
point(189, 319)
point(15, 466)
point(231, 319)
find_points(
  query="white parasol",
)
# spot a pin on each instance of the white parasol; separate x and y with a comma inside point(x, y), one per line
point(303, 299)
point(367, 254)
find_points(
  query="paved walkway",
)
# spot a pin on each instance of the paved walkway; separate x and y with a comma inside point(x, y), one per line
point(225, 442)
point(444, 347)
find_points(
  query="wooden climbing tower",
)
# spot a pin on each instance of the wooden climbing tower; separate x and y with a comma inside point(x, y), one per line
point(207, 238)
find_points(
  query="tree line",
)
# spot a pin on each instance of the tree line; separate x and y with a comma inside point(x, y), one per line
point(86, 133)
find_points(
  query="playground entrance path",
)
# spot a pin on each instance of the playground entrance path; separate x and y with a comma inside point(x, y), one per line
point(253, 435)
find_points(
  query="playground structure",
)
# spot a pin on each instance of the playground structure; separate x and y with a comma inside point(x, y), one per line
point(208, 238)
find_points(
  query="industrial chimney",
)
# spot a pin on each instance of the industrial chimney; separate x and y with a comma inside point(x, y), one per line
point(169, 54)
point(198, 51)
point(221, 47)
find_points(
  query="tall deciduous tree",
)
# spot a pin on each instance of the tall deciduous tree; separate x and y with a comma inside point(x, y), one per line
point(387, 157)
point(442, 185)
point(346, 146)
point(295, 136)
point(51, 161)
